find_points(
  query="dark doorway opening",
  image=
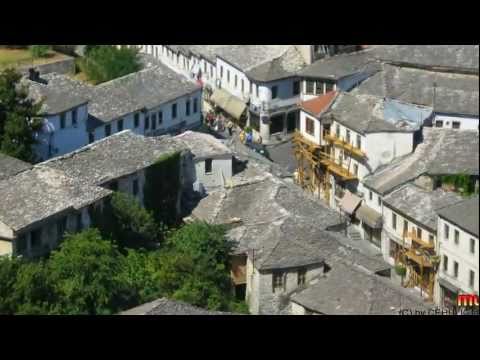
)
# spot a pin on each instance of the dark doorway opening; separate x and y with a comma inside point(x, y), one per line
point(241, 291)
point(276, 124)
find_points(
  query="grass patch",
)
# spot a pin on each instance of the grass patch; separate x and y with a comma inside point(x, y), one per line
point(23, 57)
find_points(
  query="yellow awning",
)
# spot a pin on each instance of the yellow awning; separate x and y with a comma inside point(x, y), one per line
point(231, 104)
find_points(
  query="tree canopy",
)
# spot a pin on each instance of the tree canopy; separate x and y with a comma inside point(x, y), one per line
point(102, 63)
point(19, 118)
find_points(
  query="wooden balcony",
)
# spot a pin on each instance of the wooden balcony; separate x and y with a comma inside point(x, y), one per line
point(337, 169)
point(412, 235)
point(344, 145)
point(419, 259)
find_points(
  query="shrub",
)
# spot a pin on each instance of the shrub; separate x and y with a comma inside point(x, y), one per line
point(400, 270)
point(39, 51)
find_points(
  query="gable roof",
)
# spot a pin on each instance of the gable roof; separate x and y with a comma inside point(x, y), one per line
point(113, 157)
point(421, 205)
point(10, 166)
point(454, 93)
point(457, 58)
point(350, 290)
point(365, 114)
point(38, 193)
point(463, 214)
point(442, 152)
point(204, 145)
point(164, 306)
point(320, 104)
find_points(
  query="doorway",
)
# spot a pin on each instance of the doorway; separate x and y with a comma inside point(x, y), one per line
point(292, 121)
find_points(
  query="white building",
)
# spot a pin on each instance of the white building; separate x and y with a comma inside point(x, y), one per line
point(458, 250)
point(39, 205)
point(213, 160)
point(149, 102)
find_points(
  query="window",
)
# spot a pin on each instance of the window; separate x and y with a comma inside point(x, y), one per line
point(455, 269)
point(472, 279)
point(310, 126)
point(430, 238)
point(147, 122)
point(405, 227)
point(370, 195)
point(135, 187)
point(456, 236)
point(419, 233)
point(256, 91)
point(445, 263)
point(318, 88)
point(359, 142)
point(235, 82)
point(301, 277)
point(211, 71)
point(36, 238)
point(221, 72)
point(228, 76)
point(174, 111)
point(114, 186)
point(472, 246)
point(205, 67)
point(296, 87)
point(136, 120)
point(309, 87)
point(187, 107)
point(160, 118)
point(250, 88)
point(120, 125)
point(329, 87)
point(195, 105)
point(79, 222)
point(61, 228)
point(63, 120)
point(446, 231)
point(456, 124)
point(394, 221)
point(348, 137)
point(439, 123)
point(277, 280)
point(208, 166)
point(355, 169)
point(243, 85)
point(91, 137)
point(108, 129)
point(21, 244)
point(274, 92)
point(154, 121)
point(337, 131)
point(379, 199)
point(74, 117)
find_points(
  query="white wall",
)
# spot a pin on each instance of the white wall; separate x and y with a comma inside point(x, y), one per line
point(466, 123)
point(221, 169)
point(317, 128)
point(382, 148)
point(461, 254)
point(230, 85)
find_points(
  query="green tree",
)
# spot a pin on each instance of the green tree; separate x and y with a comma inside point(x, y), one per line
point(19, 117)
point(85, 275)
point(8, 275)
point(106, 62)
point(39, 51)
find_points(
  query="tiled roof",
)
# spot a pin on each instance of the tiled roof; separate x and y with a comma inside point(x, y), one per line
point(319, 104)
point(10, 166)
point(165, 306)
point(463, 214)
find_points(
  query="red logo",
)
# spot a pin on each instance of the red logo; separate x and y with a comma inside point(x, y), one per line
point(467, 300)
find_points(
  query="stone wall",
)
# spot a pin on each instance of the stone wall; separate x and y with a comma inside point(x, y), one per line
point(64, 66)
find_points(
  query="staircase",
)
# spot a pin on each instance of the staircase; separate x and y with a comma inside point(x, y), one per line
point(353, 233)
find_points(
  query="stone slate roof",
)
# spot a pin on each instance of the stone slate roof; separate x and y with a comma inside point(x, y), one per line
point(113, 157)
point(10, 166)
point(454, 94)
point(279, 68)
point(365, 114)
point(419, 204)
point(442, 152)
point(55, 99)
point(284, 227)
point(165, 306)
point(144, 89)
point(36, 194)
point(350, 290)
point(441, 57)
point(463, 214)
point(204, 145)
point(340, 66)
point(208, 52)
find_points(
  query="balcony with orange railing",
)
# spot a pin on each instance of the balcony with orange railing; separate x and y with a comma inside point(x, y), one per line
point(332, 138)
point(413, 237)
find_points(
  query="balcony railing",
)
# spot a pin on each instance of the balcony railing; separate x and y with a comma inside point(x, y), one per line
point(418, 257)
point(345, 145)
point(274, 104)
point(412, 235)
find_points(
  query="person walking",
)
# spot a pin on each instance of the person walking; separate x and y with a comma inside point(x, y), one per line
point(230, 127)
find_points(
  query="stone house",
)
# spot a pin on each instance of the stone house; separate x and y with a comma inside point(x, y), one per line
point(38, 205)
